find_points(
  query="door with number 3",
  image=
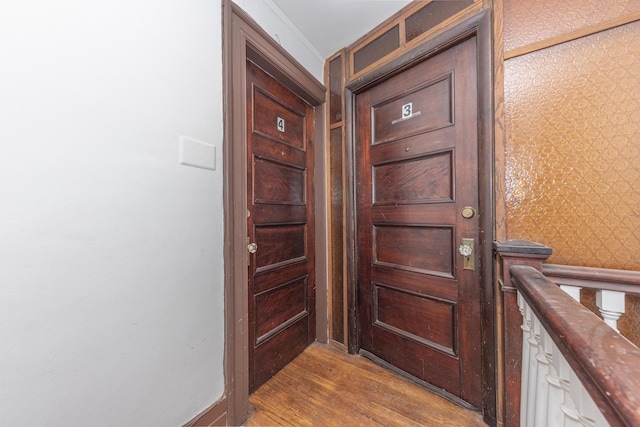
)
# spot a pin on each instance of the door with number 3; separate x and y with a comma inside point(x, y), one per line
point(416, 171)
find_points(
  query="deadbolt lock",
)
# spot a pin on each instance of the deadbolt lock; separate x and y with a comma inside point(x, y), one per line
point(468, 212)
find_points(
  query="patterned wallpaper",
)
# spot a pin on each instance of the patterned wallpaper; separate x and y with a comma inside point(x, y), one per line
point(573, 148)
point(529, 21)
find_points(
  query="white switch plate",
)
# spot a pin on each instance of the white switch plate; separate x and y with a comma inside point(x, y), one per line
point(196, 153)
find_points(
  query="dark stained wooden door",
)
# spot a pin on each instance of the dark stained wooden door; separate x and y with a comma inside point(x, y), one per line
point(280, 222)
point(417, 169)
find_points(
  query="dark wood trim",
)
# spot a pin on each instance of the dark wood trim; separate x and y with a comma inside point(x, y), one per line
point(605, 363)
point(327, 194)
point(594, 278)
point(243, 39)
point(509, 322)
point(271, 57)
point(353, 338)
point(329, 182)
point(215, 415)
point(321, 229)
point(399, 19)
point(451, 37)
point(500, 205)
point(486, 163)
point(573, 35)
point(499, 121)
point(345, 291)
point(237, 405)
point(479, 26)
point(372, 35)
point(302, 84)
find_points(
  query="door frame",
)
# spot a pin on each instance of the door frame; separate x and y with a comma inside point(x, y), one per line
point(244, 39)
point(479, 26)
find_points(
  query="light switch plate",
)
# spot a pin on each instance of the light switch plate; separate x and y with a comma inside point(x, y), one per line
point(196, 153)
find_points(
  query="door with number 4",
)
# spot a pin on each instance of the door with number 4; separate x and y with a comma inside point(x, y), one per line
point(280, 225)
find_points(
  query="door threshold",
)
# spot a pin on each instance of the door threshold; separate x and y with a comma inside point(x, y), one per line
point(433, 389)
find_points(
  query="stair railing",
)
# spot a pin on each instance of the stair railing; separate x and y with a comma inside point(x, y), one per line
point(576, 369)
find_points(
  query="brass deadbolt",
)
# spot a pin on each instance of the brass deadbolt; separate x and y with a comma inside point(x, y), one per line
point(468, 212)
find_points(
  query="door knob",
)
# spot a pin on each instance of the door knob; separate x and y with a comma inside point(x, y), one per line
point(252, 248)
point(466, 250)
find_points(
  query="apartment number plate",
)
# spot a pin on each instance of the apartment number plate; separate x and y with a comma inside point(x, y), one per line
point(407, 113)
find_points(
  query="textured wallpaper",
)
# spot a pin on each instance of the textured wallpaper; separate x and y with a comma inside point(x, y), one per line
point(530, 21)
point(573, 149)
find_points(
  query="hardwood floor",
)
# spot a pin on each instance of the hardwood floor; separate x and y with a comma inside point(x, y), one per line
point(326, 387)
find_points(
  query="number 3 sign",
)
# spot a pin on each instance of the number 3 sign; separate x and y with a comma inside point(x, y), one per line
point(407, 110)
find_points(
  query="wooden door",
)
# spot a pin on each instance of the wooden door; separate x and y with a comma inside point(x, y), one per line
point(417, 169)
point(280, 223)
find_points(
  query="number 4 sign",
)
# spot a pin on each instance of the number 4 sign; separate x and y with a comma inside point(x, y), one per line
point(280, 124)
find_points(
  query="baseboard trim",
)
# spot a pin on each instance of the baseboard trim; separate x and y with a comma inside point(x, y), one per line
point(214, 416)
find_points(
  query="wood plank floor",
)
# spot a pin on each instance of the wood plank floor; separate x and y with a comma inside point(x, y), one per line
point(326, 387)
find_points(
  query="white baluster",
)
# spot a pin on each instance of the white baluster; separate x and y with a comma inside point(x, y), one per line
point(555, 416)
point(611, 305)
point(530, 338)
point(526, 342)
point(582, 401)
point(545, 349)
point(571, 415)
point(532, 383)
point(586, 406)
point(573, 291)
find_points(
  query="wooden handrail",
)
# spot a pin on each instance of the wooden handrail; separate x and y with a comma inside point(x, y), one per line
point(606, 363)
point(594, 278)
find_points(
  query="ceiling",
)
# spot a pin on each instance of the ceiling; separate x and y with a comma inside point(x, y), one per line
point(331, 25)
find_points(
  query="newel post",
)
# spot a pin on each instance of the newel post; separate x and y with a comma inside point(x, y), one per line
point(509, 323)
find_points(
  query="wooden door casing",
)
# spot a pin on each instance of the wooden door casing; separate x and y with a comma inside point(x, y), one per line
point(416, 169)
point(280, 221)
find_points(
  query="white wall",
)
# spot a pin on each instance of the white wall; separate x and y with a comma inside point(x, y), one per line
point(111, 271)
point(280, 28)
